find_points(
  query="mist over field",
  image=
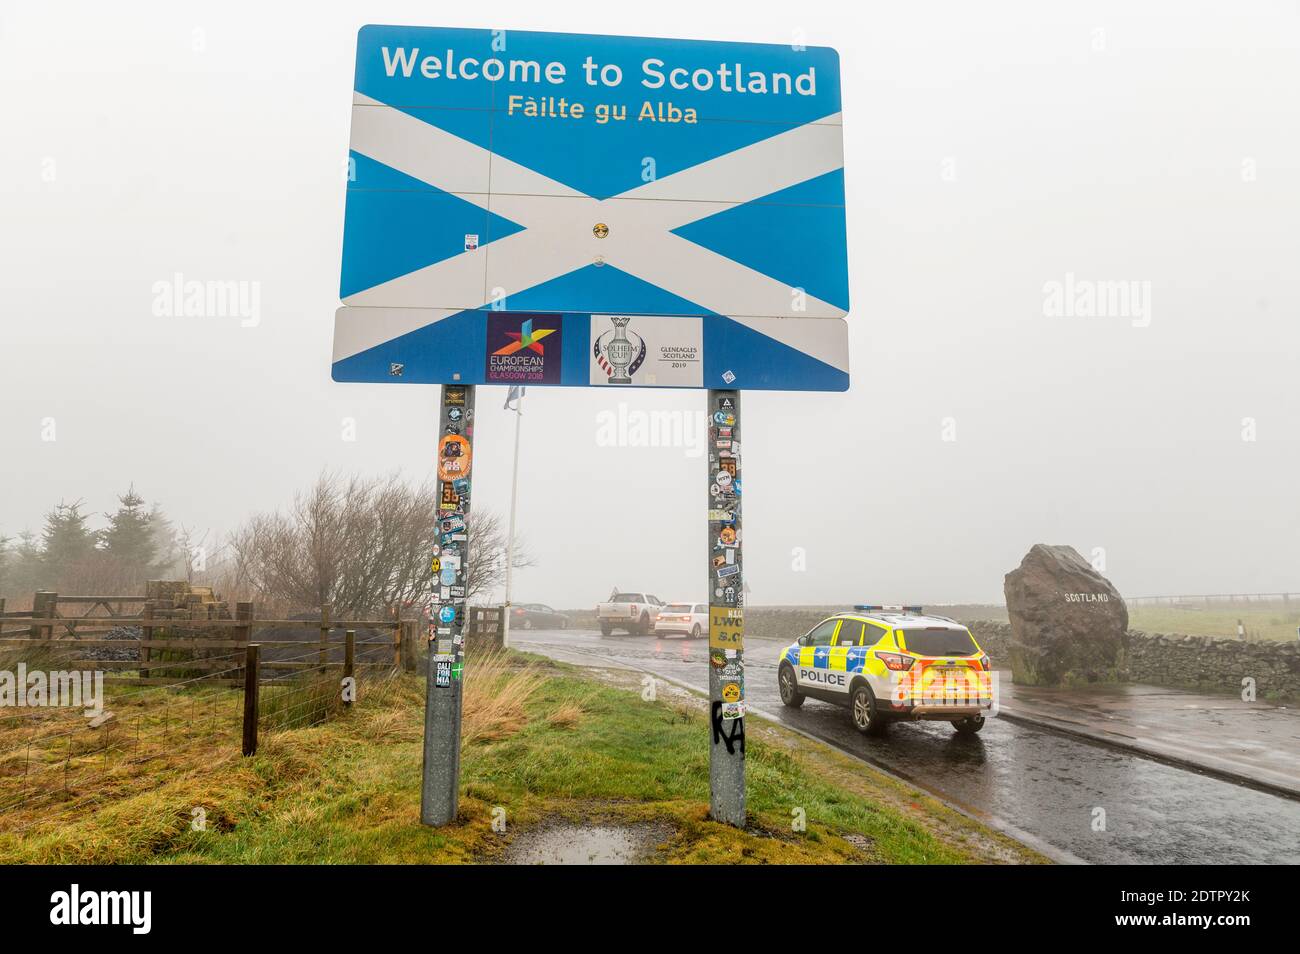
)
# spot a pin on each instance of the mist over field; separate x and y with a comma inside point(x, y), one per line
point(1073, 305)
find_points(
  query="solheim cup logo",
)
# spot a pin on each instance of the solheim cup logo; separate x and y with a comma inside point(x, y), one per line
point(619, 356)
point(620, 353)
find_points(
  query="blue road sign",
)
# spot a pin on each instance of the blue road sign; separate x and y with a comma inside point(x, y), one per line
point(577, 210)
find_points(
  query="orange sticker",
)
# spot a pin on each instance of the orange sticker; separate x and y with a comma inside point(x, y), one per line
point(454, 454)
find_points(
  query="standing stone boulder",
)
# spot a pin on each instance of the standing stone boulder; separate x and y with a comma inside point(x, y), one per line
point(1069, 625)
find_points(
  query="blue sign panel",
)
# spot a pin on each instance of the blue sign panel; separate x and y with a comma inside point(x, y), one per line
point(560, 209)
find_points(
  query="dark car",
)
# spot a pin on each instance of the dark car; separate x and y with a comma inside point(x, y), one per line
point(536, 616)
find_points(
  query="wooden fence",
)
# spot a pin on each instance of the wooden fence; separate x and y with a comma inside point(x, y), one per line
point(174, 638)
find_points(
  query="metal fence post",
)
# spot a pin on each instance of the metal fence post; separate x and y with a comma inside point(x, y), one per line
point(726, 620)
point(324, 654)
point(250, 698)
point(440, 786)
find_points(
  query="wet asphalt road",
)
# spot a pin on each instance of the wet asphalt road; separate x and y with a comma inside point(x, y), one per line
point(1030, 781)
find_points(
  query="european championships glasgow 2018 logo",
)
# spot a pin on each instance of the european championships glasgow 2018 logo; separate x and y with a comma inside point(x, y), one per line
point(524, 349)
point(619, 352)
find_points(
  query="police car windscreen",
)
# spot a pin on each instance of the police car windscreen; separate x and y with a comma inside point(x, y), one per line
point(939, 642)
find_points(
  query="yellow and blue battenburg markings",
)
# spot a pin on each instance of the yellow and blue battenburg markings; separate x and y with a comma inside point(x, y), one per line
point(836, 658)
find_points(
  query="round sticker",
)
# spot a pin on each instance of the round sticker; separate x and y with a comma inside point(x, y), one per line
point(435, 565)
point(448, 576)
point(731, 692)
point(447, 613)
point(723, 479)
point(454, 457)
point(728, 535)
point(453, 414)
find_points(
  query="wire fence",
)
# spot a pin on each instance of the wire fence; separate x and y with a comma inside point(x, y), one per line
point(1214, 598)
point(75, 735)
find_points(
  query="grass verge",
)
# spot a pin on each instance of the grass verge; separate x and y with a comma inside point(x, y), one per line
point(543, 741)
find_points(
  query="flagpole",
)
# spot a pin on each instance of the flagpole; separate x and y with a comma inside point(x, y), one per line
point(510, 539)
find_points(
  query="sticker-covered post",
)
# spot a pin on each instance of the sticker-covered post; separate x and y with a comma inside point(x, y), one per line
point(726, 613)
point(448, 565)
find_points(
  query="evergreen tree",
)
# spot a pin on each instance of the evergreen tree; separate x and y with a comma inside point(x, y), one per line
point(129, 537)
point(167, 555)
point(25, 565)
point(24, 571)
point(69, 543)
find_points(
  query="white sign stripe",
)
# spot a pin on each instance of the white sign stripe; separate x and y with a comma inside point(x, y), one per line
point(455, 281)
point(827, 341)
point(421, 150)
point(716, 282)
point(756, 170)
point(355, 329)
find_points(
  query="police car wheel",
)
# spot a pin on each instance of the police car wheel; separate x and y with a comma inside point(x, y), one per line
point(790, 694)
point(695, 631)
point(643, 627)
point(606, 630)
point(969, 725)
point(866, 718)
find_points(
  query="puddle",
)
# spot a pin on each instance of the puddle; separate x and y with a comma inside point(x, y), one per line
point(585, 845)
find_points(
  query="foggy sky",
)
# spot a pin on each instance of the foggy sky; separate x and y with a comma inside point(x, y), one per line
point(991, 149)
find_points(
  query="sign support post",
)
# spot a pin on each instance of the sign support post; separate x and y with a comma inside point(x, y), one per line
point(449, 563)
point(726, 613)
point(514, 498)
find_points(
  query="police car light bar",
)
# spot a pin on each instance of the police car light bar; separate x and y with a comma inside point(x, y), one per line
point(874, 608)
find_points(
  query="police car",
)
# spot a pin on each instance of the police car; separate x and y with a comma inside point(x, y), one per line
point(888, 664)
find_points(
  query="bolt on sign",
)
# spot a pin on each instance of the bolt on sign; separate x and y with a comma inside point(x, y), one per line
point(572, 210)
point(593, 211)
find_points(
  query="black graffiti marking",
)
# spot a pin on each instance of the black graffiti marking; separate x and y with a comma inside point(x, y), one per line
point(737, 731)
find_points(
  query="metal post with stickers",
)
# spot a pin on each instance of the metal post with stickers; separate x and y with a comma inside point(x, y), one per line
point(726, 613)
point(680, 225)
point(444, 690)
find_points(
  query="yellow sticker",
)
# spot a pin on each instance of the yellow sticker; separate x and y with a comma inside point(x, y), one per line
point(731, 692)
point(726, 628)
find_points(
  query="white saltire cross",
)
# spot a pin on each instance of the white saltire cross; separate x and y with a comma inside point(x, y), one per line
point(557, 235)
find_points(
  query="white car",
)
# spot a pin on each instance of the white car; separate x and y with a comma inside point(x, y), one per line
point(686, 619)
point(633, 612)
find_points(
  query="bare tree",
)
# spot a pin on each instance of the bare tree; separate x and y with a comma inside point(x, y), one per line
point(363, 544)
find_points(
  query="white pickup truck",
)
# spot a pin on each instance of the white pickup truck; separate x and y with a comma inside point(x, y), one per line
point(634, 612)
